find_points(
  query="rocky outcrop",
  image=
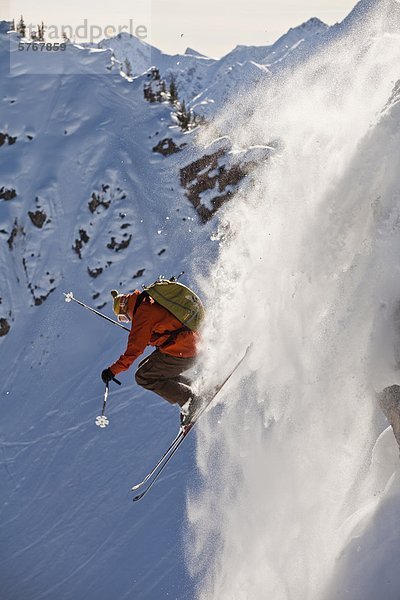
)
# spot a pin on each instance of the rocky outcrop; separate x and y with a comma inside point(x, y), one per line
point(117, 246)
point(215, 178)
point(79, 242)
point(7, 194)
point(167, 146)
point(4, 327)
point(6, 137)
point(38, 218)
point(95, 272)
point(138, 273)
point(389, 401)
point(105, 197)
point(16, 231)
point(38, 300)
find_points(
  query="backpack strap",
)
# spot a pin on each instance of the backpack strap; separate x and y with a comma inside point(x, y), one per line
point(172, 335)
point(139, 301)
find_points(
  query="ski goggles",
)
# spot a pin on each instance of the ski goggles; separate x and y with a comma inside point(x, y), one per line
point(122, 310)
point(123, 319)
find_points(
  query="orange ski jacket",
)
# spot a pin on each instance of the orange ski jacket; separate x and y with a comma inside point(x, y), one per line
point(148, 323)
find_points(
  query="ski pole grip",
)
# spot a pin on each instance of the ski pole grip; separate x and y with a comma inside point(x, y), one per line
point(116, 381)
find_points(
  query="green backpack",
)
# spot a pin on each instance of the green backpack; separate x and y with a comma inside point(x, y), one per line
point(180, 300)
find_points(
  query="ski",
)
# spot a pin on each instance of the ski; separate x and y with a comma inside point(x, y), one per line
point(155, 473)
point(163, 457)
point(180, 437)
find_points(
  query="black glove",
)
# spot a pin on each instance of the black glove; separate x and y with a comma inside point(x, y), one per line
point(107, 375)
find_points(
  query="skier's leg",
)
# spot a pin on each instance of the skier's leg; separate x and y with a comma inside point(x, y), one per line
point(162, 374)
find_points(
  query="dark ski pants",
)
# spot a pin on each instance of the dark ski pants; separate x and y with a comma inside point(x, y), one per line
point(162, 374)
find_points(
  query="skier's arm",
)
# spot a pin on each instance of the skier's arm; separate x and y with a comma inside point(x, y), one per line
point(139, 338)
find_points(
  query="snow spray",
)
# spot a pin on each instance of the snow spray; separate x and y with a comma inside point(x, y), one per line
point(307, 272)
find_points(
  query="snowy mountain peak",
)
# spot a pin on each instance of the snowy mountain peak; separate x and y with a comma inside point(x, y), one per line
point(313, 25)
point(307, 29)
point(191, 52)
point(5, 26)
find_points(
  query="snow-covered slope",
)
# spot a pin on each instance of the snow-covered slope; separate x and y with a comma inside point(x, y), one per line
point(94, 208)
point(208, 83)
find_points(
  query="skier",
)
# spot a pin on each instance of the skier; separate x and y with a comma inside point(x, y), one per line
point(162, 371)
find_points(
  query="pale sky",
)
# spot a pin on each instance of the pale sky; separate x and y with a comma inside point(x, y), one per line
point(212, 27)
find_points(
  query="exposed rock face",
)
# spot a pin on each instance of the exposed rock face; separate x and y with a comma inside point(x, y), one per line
point(6, 194)
point(117, 246)
point(138, 273)
point(213, 179)
point(95, 272)
point(4, 137)
point(4, 327)
point(389, 401)
point(16, 231)
point(38, 300)
point(83, 239)
point(38, 218)
point(167, 146)
point(96, 201)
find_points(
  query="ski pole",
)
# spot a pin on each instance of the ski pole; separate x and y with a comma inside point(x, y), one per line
point(69, 296)
point(102, 421)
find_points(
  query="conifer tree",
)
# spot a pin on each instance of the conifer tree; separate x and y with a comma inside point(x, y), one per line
point(40, 32)
point(173, 92)
point(21, 27)
point(184, 116)
point(128, 67)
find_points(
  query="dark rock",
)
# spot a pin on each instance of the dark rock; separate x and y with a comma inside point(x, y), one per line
point(16, 230)
point(7, 194)
point(206, 174)
point(6, 137)
point(39, 300)
point(117, 246)
point(83, 239)
point(389, 401)
point(38, 218)
point(95, 272)
point(4, 327)
point(167, 146)
point(95, 202)
point(138, 273)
